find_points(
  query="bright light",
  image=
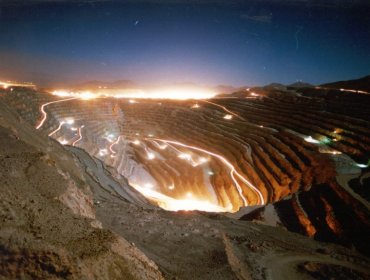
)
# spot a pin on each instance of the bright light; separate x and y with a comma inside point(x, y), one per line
point(8, 84)
point(103, 152)
point(362, 165)
point(151, 156)
point(203, 160)
point(132, 101)
point(136, 142)
point(61, 93)
point(172, 204)
point(86, 95)
point(185, 156)
point(309, 139)
point(180, 93)
point(63, 142)
point(171, 187)
point(191, 205)
point(228, 117)
point(70, 121)
point(148, 186)
point(195, 106)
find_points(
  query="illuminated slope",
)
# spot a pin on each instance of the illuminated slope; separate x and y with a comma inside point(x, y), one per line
point(222, 153)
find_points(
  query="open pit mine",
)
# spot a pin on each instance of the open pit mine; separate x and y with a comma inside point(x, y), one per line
point(201, 186)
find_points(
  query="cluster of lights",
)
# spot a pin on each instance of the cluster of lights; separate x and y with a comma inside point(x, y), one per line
point(8, 84)
point(85, 95)
point(132, 94)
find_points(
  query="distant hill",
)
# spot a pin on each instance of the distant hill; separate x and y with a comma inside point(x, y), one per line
point(95, 84)
point(357, 84)
point(225, 89)
point(275, 86)
point(300, 85)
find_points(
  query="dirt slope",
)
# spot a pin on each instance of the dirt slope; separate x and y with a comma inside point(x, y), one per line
point(48, 228)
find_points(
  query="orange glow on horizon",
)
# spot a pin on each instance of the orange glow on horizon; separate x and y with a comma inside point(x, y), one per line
point(176, 93)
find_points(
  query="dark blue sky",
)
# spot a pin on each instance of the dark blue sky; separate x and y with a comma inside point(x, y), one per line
point(212, 43)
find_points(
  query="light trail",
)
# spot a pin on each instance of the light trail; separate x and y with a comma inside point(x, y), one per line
point(225, 109)
point(80, 136)
point(233, 171)
point(183, 155)
point(354, 90)
point(162, 147)
point(44, 114)
point(56, 130)
point(114, 143)
point(344, 89)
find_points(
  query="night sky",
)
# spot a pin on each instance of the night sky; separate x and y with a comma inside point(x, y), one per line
point(205, 42)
